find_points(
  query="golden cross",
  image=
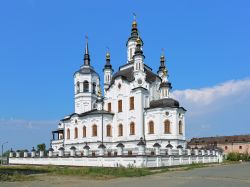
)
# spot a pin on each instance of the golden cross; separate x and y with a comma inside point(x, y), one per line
point(134, 16)
point(162, 50)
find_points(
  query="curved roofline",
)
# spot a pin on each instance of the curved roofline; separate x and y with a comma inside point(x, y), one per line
point(91, 112)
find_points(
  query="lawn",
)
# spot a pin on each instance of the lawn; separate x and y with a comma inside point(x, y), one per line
point(23, 173)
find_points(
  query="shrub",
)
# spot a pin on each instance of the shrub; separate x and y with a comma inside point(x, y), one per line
point(238, 156)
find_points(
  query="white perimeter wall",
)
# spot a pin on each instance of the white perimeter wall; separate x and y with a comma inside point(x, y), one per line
point(136, 161)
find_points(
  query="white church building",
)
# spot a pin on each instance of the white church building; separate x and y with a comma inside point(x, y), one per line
point(135, 122)
point(136, 105)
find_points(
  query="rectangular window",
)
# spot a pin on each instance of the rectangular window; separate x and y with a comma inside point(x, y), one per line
point(131, 101)
point(119, 105)
point(109, 107)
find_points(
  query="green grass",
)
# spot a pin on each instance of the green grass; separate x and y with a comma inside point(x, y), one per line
point(21, 173)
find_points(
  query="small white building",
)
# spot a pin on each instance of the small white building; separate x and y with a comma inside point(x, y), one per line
point(136, 107)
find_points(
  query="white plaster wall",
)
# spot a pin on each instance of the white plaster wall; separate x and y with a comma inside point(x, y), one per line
point(136, 161)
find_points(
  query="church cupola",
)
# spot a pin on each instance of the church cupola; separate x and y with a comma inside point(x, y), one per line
point(131, 43)
point(165, 85)
point(86, 55)
point(108, 71)
point(138, 56)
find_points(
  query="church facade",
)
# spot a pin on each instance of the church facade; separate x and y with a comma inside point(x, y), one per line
point(135, 108)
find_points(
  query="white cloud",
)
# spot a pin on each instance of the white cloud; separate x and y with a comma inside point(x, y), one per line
point(217, 110)
point(208, 95)
point(23, 123)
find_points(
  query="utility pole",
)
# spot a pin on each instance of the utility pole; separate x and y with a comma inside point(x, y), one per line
point(2, 151)
point(102, 119)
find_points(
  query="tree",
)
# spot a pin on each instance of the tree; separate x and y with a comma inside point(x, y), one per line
point(6, 153)
point(41, 147)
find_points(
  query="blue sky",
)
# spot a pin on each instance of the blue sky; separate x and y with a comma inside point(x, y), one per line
point(207, 45)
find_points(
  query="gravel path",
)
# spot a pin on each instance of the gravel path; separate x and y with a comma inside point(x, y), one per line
point(234, 175)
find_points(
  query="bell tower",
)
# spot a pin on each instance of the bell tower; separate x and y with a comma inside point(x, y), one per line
point(86, 82)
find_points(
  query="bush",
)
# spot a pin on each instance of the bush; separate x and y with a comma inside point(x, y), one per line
point(238, 156)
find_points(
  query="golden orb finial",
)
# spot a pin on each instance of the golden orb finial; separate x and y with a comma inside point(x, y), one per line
point(162, 55)
point(138, 41)
point(108, 54)
point(134, 24)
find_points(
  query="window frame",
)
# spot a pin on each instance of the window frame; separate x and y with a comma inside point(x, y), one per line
point(86, 86)
point(132, 103)
point(68, 134)
point(94, 130)
point(151, 128)
point(108, 130)
point(132, 128)
point(109, 107)
point(76, 133)
point(120, 130)
point(84, 132)
point(119, 105)
point(167, 127)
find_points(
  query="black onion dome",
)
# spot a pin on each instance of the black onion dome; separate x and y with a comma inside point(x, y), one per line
point(73, 148)
point(51, 149)
point(156, 145)
point(61, 149)
point(166, 102)
point(102, 146)
point(33, 149)
point(141, 142)
point(86, 147)
point(169, 146)
point(134, 33)
point(120, 145)
point(179, 147)
point(107, 65)
point(162, 64)
point(165, 85)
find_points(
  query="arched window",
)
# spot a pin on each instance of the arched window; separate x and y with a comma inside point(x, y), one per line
point(167, 127)
point(84, 132)
point(68, 134)
point(77, 87)
point(109, 130)
point(180, 127)
point(120, 130)
point(76, 132)
point(85, 86)
point(132, 128)
point(94, 88)
point(94, 130)
point(151, 127)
